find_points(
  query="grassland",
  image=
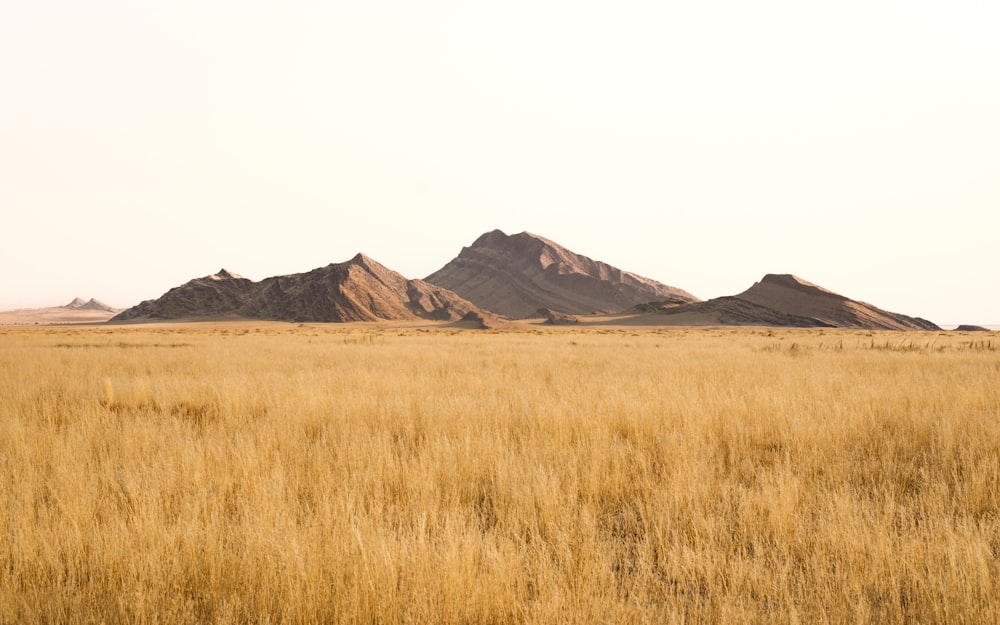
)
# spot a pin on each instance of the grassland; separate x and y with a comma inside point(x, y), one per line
point(354, 475)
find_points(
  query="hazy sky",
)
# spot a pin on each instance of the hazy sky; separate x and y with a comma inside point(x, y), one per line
point(703, 144)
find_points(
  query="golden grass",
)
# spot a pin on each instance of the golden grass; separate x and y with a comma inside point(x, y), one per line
point(350, 475)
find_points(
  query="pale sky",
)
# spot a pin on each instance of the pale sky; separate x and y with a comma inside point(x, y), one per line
point(702, 144)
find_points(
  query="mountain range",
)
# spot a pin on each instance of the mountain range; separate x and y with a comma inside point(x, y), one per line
point(507, 276)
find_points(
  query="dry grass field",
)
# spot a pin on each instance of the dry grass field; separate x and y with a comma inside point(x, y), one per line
point(287, 474)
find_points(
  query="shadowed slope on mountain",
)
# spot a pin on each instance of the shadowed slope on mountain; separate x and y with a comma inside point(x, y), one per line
point(734, 311)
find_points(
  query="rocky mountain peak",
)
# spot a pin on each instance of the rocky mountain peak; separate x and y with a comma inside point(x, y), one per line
point(224, 274)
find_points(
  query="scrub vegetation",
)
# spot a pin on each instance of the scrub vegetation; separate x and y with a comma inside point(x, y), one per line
point(364, 474)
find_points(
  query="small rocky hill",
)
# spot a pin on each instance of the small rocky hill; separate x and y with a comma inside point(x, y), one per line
point(783, 300)
point(792, 295)
point(515, 275)
point(360, 289)
point(221, 294)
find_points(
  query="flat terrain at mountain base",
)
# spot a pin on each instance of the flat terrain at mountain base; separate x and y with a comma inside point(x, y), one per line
point(57, 314)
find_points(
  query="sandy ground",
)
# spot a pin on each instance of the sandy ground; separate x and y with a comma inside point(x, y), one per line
point(50, 316)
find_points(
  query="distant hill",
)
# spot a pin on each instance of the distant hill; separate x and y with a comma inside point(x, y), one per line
point(357, 290)
point(516, 275)
point(77, 311)
point(91, 304)
point(793, 295)
point(785, 300)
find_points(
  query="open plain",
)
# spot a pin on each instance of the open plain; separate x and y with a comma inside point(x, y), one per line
point(279, 473)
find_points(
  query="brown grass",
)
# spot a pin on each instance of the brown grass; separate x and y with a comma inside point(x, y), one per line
point(346, 475)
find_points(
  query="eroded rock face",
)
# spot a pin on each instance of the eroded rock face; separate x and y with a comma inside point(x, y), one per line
point(475, 320)
point(357, 290)
point(515, 275)
point(554, 318)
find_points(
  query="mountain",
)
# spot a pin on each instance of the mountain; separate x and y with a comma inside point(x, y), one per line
point(786, 300)
point(218, 295)
point(793, 295)
point(515, 275)
point(91, 304)
point(357, 290)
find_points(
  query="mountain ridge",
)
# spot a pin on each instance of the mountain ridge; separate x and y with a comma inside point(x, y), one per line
point(360, 289)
